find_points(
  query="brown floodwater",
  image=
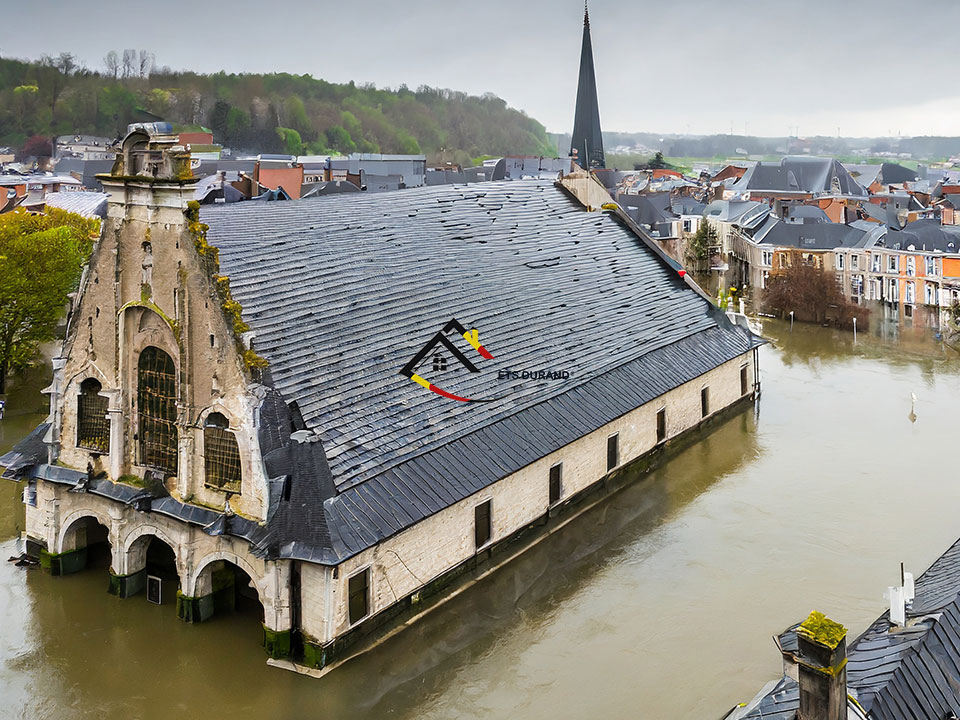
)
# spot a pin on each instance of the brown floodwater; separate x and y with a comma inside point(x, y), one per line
point(658, 603)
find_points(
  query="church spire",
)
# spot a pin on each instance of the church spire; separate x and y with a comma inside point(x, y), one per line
point(587, 140)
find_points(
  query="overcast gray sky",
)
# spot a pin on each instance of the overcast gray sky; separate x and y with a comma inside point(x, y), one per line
point(761, 67)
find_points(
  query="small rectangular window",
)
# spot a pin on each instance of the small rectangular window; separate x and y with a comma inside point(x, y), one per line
point(705, 402)
point(613, 451)
point(744, 384)
point(357, 591)
point(482, 529)
point(661, 425)
point(556, 477)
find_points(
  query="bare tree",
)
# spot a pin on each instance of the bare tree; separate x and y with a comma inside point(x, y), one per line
point(146, 60)
point(52, 73)
point(112, 63)
point(129, 62)
point(66, 63)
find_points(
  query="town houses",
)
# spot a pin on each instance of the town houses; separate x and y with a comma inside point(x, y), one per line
point(892, 239)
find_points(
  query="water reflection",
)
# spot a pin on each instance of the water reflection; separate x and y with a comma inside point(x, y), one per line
point(815, 346)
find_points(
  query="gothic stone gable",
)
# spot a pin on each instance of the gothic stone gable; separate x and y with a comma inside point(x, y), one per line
point(150, 346)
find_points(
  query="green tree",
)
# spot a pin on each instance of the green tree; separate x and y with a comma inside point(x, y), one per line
point(296, 114)
point(218, 120)
point(237, 124)
point(292, 144)
point(115, 106)
point(407, 144)
point(41, 259)
point(25, 100)
point(657, 162)
point(53, 96)
point(698, 247)
point(339, 139)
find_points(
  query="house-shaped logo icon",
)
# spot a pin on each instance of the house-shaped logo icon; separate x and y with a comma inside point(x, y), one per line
point(437, 350)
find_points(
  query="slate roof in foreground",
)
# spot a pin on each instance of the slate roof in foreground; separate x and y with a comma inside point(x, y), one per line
point(899, 673)
point(341, 292)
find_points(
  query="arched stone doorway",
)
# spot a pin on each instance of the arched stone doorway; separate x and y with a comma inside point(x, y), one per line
point(150, 567)
point(222, 584)
point(225, 583)
point(83, 542)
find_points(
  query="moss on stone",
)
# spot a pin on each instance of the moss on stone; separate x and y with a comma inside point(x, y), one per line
point(232, 310)
point(314, 654)
point(276, 642)
point(133, 480)
point(822, 630)
point(174, 325)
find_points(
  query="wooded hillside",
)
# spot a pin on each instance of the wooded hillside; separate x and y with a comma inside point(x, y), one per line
point(265, 113)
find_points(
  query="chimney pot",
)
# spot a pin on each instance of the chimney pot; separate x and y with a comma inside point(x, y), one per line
point(822, 660)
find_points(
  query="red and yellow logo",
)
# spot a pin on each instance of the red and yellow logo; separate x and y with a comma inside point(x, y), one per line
point(435, 349)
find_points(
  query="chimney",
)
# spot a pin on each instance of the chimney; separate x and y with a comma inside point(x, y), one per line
point(822, 660)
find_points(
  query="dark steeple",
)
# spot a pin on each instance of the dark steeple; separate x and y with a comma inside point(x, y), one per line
point(587, 141)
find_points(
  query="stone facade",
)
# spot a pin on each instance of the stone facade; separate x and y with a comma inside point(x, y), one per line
point(58, 523)
point(409, 561)
point(147, 287)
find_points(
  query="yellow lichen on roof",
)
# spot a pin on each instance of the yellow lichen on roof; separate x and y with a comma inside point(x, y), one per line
point(821, 629)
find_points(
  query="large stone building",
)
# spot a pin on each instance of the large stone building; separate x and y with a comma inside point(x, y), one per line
point(346, 449)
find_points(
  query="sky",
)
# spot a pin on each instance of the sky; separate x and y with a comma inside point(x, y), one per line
point(757, 67)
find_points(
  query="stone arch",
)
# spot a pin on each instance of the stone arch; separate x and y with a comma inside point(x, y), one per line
point(217, 585)
point(143, 326)
point(78, 531)
point(230, 557)
point(87, 370)
point(134, 146)
point(134, 558)
point(69, 524)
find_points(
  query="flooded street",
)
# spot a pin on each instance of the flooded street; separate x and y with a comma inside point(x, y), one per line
point(658, 603)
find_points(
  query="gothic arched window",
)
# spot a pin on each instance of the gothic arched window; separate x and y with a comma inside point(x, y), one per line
point(221, 454)
point(157, 410)
point(93, 427)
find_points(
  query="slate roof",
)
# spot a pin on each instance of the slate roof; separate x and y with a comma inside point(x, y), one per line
point(733, 211)
point(86, 204)
point(809, 236)
point(800, 174)
point(648, 208)
point(865, 174)
point(341, 292)
point(805, 215)
point(899, 673)
point(893, 173)
point(27, 453)
point(925, 235)
point(687, 206)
